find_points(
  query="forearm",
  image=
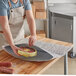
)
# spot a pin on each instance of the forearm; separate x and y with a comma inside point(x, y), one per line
point(6, 29)
point(8, 35)
point(32, 26)
point(31, 22)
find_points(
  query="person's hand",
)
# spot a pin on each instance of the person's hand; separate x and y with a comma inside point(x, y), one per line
point(32, 40)
point(15, 49)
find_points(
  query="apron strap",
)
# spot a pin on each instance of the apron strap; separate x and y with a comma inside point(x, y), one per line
point(9, 3)
point(21, 1)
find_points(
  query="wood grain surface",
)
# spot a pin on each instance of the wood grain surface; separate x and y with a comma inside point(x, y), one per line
point(26, 67)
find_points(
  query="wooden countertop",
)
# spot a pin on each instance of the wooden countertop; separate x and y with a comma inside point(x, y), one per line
point(26, 67)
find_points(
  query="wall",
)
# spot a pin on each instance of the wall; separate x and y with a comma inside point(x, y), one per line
point(39, 26)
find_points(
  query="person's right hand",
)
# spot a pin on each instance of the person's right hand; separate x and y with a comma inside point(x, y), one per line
point(15, 49)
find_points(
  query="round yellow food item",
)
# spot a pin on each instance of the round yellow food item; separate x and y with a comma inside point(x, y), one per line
point(27, 49)
point(26, 53)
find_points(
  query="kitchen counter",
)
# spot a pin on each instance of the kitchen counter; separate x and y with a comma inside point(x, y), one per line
point(26, 67)
point(63, 8)
point(61, 1)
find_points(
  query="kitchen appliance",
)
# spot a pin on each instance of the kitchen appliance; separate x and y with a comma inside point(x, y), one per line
point(60, 27)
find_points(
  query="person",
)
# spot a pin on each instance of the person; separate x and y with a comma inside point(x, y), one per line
point(12, 17)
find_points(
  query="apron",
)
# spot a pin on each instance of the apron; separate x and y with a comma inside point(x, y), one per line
point(16, 24)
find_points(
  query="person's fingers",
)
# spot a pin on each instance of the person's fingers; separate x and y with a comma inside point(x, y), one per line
point(16, 53)
point(29, 41)
point(32, 42)
point(20, 49)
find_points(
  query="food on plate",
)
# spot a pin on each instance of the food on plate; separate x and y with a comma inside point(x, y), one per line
point(27, 52)
point(6, 70)
point(5, 64)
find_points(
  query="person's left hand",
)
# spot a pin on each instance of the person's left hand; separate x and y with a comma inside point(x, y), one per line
point(32, 40)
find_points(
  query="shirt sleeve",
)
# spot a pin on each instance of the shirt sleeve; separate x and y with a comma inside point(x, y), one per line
point(27, 5)
point(3, 8)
